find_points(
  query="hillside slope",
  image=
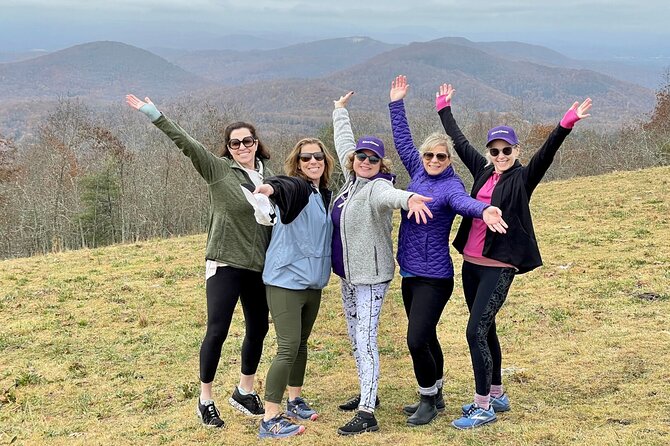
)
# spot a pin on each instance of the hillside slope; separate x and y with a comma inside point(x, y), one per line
point(101, 346)
point(94, 70)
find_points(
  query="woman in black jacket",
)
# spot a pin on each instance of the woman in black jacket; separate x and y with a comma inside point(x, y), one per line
point(491, 260)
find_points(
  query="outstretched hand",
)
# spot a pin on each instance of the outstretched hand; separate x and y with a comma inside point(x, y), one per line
point(575, 113)
point(417, 207)
point(492, 216)
point(443, 96)
point(342, 102)
point(399, 87)
point(136, 102)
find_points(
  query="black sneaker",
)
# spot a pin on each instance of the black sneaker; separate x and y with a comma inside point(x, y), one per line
point(354, 402)
point(361, 422)
point(209, 414)
point(247, 404)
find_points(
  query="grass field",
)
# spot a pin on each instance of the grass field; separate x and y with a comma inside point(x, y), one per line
point(101, 346)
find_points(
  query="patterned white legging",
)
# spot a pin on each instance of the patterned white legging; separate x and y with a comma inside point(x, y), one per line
point(362, 307)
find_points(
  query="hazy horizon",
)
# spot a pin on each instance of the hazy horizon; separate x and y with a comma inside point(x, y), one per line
point(592, 29)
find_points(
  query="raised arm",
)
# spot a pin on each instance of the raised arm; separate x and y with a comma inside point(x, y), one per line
point(402, 136)
point(542, 159)
point(472, 159)
point(343, 135)
point(204, 161)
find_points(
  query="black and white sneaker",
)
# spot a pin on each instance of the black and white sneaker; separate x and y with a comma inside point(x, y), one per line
point(353, 403)
point(247, 404)
point(209, 414)
point(361, 422)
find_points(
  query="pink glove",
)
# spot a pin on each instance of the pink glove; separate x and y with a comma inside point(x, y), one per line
point(441, 102)
point(569, 119)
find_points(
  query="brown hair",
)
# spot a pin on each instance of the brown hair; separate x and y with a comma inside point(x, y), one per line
point(292, 163)
point(261, 151)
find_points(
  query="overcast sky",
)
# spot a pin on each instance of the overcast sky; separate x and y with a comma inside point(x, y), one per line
point(624, 27)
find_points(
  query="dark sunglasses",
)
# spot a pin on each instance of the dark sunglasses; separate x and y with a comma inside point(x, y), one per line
point(306, 157)
point(247, 141)
point(441, 157)
point(505, 150)
point(362, 156)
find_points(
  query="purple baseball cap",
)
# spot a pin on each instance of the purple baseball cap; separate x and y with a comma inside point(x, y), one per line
point(502, 132)
point(371, 143)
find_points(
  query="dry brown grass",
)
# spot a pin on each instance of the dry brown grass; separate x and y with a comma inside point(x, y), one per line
point(101, 346)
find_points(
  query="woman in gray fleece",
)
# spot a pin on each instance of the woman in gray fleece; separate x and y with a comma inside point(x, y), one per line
point(363, 252)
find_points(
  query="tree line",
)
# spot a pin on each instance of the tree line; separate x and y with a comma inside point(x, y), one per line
point(91, 178)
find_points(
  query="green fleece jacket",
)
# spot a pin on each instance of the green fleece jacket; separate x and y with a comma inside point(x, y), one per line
point(234, 237)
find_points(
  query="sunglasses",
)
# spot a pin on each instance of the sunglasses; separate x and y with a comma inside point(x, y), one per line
point(505, 150)
point(441, 157)
point(306, 157)
point(362, 156)
point(247, 141)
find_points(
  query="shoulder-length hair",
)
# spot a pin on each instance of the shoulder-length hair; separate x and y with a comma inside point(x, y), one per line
point(261, 151)
point(292, 163)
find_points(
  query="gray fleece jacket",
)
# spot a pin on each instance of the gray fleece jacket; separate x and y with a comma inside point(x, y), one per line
point(364, 215)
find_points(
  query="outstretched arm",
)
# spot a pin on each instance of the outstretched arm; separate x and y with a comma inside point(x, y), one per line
point(343, 134)
point(402, 136)
point(203, 160)
point(472, 159)
point(542, 159)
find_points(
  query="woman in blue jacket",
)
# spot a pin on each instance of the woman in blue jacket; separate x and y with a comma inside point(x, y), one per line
point(297, 267)
point(423, 250)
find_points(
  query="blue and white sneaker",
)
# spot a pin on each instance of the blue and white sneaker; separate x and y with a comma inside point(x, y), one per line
point(279, 427)
point(475, 417)
point(499, 404)
point(298, 408)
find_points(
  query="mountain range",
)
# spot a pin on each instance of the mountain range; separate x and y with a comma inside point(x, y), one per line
point(300, 81)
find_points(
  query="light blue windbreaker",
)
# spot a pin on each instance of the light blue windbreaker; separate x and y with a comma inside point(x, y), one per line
point(298, 257)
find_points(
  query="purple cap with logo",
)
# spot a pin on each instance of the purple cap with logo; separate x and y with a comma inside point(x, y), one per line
point(502, 132)
point(371, 143)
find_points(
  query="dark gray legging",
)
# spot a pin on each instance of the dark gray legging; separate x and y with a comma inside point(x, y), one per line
point(293, 315)
point(485, 290)
point(223, 290)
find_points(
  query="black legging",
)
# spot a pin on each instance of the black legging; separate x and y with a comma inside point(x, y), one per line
point(485, 290)
point(223, 290)
point(424, 301)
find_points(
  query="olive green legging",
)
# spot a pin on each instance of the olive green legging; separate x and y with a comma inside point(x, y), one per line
point(293, 315)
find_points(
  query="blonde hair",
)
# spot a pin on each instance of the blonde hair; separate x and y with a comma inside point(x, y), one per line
point(437, 139)
point(292, 163)
point(385, 165)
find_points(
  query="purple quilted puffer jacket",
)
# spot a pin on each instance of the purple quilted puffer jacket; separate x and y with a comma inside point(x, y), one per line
point(423, 249)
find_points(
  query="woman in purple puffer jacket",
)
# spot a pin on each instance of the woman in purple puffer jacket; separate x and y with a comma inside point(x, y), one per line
point(423, 250)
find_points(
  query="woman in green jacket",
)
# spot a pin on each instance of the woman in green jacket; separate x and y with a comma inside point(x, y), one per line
point(235, 253)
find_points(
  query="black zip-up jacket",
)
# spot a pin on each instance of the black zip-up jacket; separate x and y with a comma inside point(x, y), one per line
point(512, 195)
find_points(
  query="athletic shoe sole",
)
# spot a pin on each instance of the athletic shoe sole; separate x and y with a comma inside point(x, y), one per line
point(474, 426)
point(241, 408)
point(312, 417)
point(291, 434)
point(369, 429)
